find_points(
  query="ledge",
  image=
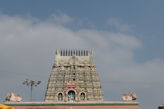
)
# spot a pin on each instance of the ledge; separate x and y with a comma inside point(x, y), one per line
point(71, 103)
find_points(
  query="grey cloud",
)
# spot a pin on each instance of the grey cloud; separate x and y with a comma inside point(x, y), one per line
point(61, 18)
point(119, 25)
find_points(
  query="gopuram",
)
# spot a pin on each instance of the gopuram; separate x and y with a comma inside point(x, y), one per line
point(74, 78)
point(74, 84)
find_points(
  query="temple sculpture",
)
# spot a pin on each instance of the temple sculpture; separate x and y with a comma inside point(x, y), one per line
point(74, 78)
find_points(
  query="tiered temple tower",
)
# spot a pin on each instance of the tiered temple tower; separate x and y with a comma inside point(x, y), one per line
point(74, 78)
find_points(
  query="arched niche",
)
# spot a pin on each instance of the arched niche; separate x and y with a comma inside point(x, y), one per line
point(82, 96)
point(60, 97)
point(71, 95)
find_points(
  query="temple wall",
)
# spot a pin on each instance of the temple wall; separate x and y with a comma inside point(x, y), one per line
point(79, 105)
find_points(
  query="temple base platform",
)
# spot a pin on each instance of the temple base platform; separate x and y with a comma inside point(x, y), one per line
point(75, 105)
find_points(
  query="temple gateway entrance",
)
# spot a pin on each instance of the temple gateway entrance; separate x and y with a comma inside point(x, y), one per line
point(71, 96)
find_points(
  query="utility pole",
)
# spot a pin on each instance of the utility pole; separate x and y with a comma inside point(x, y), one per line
point(31, 83)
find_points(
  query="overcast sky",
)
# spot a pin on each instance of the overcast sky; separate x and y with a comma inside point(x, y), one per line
point(126, 36)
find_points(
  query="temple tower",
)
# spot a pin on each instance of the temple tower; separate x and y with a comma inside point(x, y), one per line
point(74, 78)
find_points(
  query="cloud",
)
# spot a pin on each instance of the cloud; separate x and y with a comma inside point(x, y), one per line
point(27, 50)
point(118, 25)
point(61, 18)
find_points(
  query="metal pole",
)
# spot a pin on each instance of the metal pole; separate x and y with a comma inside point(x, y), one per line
point(31, 83)
point(31, 94)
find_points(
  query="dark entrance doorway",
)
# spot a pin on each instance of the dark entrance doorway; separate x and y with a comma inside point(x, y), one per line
point(71, 96)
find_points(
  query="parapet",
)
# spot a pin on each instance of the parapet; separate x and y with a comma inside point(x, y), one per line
point(74, 57)
point(74, 52)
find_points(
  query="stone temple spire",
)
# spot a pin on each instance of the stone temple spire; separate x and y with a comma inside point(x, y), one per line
point(74, 78)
